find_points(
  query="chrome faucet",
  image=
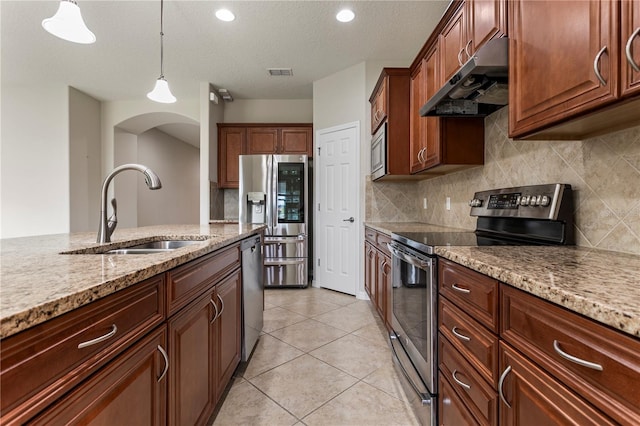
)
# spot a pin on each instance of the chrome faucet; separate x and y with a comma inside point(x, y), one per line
point(107, 226)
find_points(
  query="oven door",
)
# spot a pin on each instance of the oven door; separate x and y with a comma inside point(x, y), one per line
point(415, 309)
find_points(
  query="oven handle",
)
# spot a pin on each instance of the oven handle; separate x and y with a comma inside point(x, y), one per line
point(405, 257)
point(424, 398)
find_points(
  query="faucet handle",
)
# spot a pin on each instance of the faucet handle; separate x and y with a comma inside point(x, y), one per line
point(113, 219)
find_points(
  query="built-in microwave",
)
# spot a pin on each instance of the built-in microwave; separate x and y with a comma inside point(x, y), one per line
point(379, 153)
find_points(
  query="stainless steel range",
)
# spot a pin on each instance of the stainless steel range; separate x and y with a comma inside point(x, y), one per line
point(526, 215)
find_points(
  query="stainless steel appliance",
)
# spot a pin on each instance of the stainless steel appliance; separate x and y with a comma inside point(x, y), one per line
point(379, 153)
point(252, 294)
point(528, 215)
point(274, 191)
point(479, 88)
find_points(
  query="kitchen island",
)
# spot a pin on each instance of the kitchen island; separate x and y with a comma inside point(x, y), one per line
point(120, 338)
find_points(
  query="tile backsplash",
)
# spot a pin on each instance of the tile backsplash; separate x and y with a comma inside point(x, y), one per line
point(604, 172)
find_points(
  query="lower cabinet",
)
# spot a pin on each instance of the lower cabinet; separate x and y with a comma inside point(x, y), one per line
point(131, 390)
point(451, 409)
point(530, 397)
point(228, 330)
point(377, 277)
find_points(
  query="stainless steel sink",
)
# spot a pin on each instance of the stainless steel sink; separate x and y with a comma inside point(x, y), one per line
point(153, 247)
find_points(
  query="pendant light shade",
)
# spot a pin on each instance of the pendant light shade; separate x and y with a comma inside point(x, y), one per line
point(161, 92)
point(68, 24)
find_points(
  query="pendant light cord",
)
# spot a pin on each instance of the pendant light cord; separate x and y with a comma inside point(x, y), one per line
point(161, 39)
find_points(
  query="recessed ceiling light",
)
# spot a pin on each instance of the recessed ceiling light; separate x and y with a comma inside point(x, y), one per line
point(345, 15)
point(225, 15)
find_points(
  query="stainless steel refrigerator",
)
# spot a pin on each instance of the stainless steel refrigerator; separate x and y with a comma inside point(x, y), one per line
point(274, 190)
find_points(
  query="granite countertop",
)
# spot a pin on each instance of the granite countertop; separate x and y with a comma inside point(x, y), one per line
point(599, 284)
point(38, 283)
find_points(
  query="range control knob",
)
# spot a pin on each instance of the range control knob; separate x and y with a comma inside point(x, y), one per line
point(534, 200)
point(475, 202)
point(545, 201)
point(524, 200)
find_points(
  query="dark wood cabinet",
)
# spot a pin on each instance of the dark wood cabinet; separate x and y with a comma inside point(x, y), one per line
point(486, 20)
point(231, 141)
point(193, 347)
point(558, 50)
point(131, 390)
point(228, 330)
point(532, 397)
point(377, 276)
point(451, 45)
point(451, 409)
point(630, 45)
point(390, 105)
point(417, 124)
point(235, 139)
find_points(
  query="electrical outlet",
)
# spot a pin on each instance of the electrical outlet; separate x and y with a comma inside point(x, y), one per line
point(424, 203)
point(448, 203)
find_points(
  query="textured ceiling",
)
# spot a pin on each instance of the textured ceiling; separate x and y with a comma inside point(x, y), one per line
point(124, 62)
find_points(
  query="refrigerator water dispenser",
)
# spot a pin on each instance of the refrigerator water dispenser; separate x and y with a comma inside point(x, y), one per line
point(256, 202)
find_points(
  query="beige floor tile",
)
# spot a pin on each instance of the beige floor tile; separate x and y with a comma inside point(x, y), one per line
point(353, 355)
point(375, 332)
point(280, 297)
point(308, 335)
point(269, 353)
point(346, 318)
point(245, 405)
point(386, 379)
point(278, 318)
point(310, 307)
point(303, 384)
point(336, 297)
point(362, 405)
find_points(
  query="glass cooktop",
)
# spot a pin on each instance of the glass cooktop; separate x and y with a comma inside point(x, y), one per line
point(427, 241)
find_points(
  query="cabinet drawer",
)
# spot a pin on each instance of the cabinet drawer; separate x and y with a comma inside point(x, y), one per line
point(186, 282)
point(382, 241)
point(548, 334)
point(478, 396)
point(40, 364)
point(477, 344)
point(370, 235)
point(451, 409)
point(474, 293)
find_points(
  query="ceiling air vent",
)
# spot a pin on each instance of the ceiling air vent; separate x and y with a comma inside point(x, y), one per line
point(280, 72)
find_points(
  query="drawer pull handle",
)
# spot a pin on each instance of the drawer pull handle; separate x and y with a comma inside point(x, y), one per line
point(216, 308)
point(166, 363)
point(627, 50)
point(460, 289)
point(574, 359)
point(458, 381)
point(459, 335)
point(221, 304)
point(501, 384)
point(100, 339)
point(596, 66)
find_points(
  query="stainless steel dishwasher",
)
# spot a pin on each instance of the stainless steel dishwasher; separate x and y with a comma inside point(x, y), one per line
point(252, 293)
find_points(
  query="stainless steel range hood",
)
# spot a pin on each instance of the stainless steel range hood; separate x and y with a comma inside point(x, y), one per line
point(478, 88)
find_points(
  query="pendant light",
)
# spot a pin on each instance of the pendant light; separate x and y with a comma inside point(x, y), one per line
point(161, 92)
point(68, 24)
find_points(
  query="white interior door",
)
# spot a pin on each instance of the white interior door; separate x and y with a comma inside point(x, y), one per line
point(337, 208)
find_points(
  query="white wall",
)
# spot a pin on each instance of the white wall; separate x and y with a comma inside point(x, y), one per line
point(84, 161)
point(125, 185)
point(210, 115)
point(177, 164)
point(269, 111)
point(35, 161)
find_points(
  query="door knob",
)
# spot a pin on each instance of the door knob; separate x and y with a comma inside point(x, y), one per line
point(351, 219)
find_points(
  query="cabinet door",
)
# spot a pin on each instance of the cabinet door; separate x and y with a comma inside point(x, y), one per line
point(228, 329)
point(385, 290)
point(262, 140)
point(192, 349)
point(379, 106)
point(486, 19)
point(557, 49)
point(630, 43)
point(369, 263)
point(131, 390)
point(535, 398)
point(452, 410)
point(382, 265)
point(296, 140)
point(452, 44)
point(417, 123)
point(431, 155)
point(230, 146)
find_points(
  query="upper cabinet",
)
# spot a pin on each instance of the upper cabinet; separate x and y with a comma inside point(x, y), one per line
point(390, 105)
point(474, 23)
point(573, 68)
point(239, 139)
